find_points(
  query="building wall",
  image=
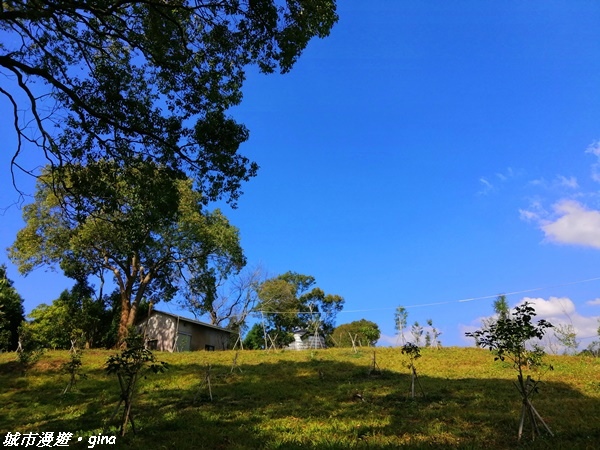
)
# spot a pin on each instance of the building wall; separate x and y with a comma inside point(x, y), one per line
point(307, 343)
point(162, 329)
point(204, 336)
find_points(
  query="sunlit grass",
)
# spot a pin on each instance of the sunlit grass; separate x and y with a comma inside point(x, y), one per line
point(309, 399)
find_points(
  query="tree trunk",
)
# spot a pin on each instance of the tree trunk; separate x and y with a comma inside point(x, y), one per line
point(124, 320)
point(129, 308)
point(126, 285)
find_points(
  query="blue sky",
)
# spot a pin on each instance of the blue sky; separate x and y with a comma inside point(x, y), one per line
point(424, 153)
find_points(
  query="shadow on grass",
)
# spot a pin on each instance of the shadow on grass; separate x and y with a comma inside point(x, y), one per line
point(299, 404)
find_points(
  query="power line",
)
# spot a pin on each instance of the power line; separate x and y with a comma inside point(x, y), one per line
point(464, 300)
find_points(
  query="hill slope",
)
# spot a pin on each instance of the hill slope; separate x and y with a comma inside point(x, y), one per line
point(308, 399)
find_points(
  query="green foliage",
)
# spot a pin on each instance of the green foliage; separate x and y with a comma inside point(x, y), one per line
point(417, 332)
point(413, 351)
point(508, 337)
point(128, 365)
point(75, 314)
point(255, 339)
point(73, 368)
point(567, 337)
point(501, 310)
point(29, 349)
point(147, 229)
point(596, 344)
point(434, 336)
point(400, 321)
point(277, 296)
point(364, 331)
point(501, 307)
point(11, 312)
point(49, 325)
point(129, 362)
point(149, 79)
point(594, 347)
point(287, 303)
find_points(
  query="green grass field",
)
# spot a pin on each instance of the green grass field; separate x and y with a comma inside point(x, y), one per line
point(324, 399)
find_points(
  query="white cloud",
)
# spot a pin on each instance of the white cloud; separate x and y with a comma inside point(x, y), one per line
point(576, 225)
point(558, 311)
point(554, 307)
point(562, 311)
point(594, 149)
point(497, 181)
point(508, 173)
point(387, 340)
point(559, 181)
point(570, 182)
point(595, 302)
point(535, 213)
point(487, 186)
point(570, 222)
point(469, 329)
point(529, 216)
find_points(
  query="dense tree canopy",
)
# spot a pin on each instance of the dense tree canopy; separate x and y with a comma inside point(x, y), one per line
point(287, 302)
point(145, 79)
point(74, 316)
point(362, 332)
point(151, 235)
point(11, 312)
point(255, 338)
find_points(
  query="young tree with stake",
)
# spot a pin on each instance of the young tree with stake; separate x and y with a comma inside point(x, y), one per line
point(400, 321)
point(507, 338)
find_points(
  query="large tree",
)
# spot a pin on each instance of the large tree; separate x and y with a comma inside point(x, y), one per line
point(361, 332)
point(225, 300)
point(144, 224)
point(120, 79)
point(11, 312)
point(292, 300)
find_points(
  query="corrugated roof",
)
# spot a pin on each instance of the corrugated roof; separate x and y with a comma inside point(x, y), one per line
point(204, 324)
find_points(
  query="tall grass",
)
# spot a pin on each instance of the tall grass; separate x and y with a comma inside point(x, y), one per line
point(309, 399)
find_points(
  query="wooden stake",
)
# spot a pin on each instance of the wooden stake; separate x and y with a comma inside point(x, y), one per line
point(541, 420)
point(522, 421)
point(414, 380)
point(353, 339)
point(374, 365)
point(526, 388)
point(239, 339)
point(264, 331)
point(273, 346)
point(205, 382)
point(235, 364)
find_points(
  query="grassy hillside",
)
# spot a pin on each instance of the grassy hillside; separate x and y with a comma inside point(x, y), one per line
point(309, 399)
